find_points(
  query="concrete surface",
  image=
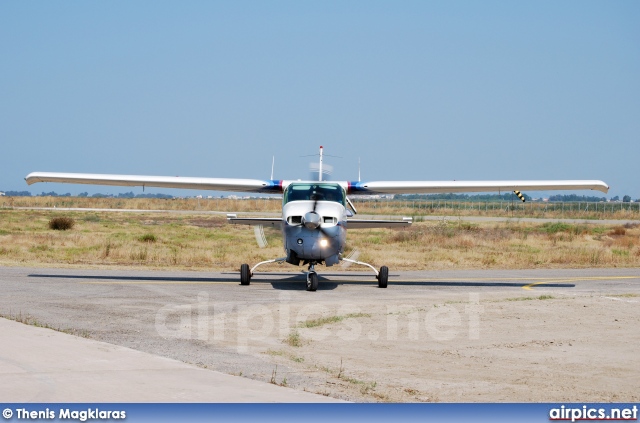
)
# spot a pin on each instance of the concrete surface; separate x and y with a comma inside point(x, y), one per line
point(43, 365)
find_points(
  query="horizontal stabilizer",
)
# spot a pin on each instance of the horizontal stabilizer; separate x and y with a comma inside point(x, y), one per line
point(270, 222)
point(378, 223)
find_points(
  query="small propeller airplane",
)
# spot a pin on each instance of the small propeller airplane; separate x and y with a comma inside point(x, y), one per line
point(315, 213)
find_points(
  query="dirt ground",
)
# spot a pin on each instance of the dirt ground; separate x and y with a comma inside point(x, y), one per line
point(523, 347)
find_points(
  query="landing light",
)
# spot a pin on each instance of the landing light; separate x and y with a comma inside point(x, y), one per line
point(324, 242)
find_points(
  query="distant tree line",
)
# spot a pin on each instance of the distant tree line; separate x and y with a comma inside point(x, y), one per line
point(129, 194)
point(463, 197)
point(85, 194)
point(17, 193)
point(509, 196)
point(574, 197)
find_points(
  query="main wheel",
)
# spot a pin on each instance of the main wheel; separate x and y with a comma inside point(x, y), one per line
point(383, 277)
point(245, 275)
point(312, 281)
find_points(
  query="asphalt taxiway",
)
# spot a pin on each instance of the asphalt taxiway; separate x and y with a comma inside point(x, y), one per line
point(192, 323)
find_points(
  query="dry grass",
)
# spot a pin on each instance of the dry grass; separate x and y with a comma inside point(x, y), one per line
point(392, 208)
point(203, 242)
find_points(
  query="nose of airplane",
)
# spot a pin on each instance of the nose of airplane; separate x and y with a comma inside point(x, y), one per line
point(311, 220)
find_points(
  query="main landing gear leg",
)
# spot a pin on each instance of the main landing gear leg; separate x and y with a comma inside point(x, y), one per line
point(382, 275)
point(312, 278)
point(246, 274)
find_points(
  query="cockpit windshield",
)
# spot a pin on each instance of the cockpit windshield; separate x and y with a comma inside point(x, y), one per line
point(314, 191)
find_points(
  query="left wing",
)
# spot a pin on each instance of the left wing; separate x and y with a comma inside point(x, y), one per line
point(215, 184)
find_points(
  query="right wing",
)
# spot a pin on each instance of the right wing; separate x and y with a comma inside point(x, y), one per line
point(436, 187)
point(214, 184)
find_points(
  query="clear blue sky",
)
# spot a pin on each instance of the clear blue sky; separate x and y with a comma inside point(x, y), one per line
point(418, 90)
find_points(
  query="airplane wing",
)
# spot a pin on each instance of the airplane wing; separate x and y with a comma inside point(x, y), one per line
point(436, 187)
point(274, 222)
point(275, 186)
point(377, 223)
point(215, 184)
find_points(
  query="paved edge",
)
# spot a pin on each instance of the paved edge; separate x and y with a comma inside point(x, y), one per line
point(43, 365)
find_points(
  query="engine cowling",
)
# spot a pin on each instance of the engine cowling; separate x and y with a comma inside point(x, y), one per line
point(311, 220)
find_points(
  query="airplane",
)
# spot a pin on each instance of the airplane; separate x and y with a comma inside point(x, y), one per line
point(316, 213)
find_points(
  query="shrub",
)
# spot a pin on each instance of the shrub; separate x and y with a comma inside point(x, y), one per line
point(148, 238)
point(61, 223)
point(618, 231)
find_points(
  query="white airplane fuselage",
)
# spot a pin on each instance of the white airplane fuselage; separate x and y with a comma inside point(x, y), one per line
point(314, 222)
point(323, 243)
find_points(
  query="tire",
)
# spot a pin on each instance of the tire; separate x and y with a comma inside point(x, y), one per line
point(312, 281)
point(383, 277)
point(245, 275)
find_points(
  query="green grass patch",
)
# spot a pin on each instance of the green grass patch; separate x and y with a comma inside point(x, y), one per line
point(148, 238)
point(621, 253)
point(331, 319)
point(546, 297)
point(541, 297)
point(91, 218)
point(552, 228)
point(38, 248)
point(293, 340)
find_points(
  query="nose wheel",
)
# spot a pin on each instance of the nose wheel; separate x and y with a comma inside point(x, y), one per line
point(312, 278)
point(312, 281)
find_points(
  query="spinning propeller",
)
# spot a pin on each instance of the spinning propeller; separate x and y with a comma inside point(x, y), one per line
point(312, 220)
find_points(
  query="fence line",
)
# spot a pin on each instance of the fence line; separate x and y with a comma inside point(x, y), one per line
point(578, 209)
point(570, 207)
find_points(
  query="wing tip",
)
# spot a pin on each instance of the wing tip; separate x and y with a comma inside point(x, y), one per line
point(602, 187)
point(31, 178)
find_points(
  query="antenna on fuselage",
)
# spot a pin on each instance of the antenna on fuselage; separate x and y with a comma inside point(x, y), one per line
point(273, 162)
point(320, 166)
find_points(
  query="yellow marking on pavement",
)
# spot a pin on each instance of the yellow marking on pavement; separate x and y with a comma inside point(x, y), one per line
point(581, 279)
